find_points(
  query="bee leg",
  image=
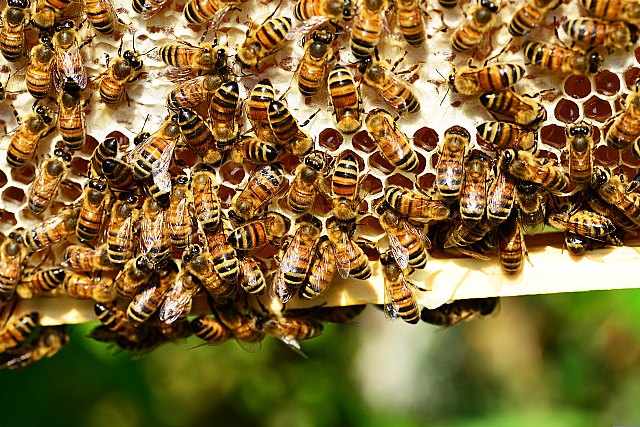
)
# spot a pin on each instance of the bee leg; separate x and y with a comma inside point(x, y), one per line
point(395, 64)
point(86, 42)
point(306, 122)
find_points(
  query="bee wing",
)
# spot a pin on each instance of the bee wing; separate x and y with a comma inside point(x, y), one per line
point(181, 210)
point(69, 64)
point(325, 267)
point(343, 260)
point(178, 74)
point(217, 17)
point(193, 88)
point(306, 27)
point(391, 307)
point(150, 9)
point(160, 168)
point(418, 233)
point(394, 82)
point(279, 288)
point(400, 253)
point(177, 301)
point(151, 229)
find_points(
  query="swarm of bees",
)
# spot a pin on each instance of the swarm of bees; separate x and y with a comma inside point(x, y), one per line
point(168, 242)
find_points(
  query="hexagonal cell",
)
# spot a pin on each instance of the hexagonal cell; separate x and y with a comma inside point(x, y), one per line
point(370, 227)
point(79, 166)
point(90, 145)
point(567, 111)
point(225, 194)
point(232, 173)
point(7, 219)
point(606, 156)
point(374, 184)
point(607, 83)
point(426, 138)
point(13, 196)
point(554, 136)
point(577, 86)
point(288, 160)
point(330, 139)
point(70, 191)
point(630, 159)
point(186, 156)
point(597, 109)
point(3, 179)
point(400, 180)
point(380, 163)
point(24, 175)
point(426, 181)
point(362, 141)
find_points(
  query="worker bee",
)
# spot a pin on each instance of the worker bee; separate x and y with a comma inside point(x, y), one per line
point(415, 205)
point(222, 111)
point(296, 260)
point(350, 258)
point(561, 59)
point(178, 217)
point(83, 258)
point(82, 286)
point(509, 106)
point(290, 330)
point(199, 11)
point(503, 135)
point(619, 219)
point(185, 60)
point(263, 41)
point(47, 342)
point(192, 92)
point(304, 188)
point(41, 282)
point(205, 200)
point(71, 118)
point(17, 330)
point(107, 149)
point(38, 74)
point(13, 255)
point(582, 222)
point(612, 191)
point(530, 16)
point(49, 231)
point(345, 98)
point(243, 326)
point(345, 194)
point(197, 135)
point(250, 276)
point(593, 32)
point(133, 276)
point(395, 91)
point(223, 255)
point(410, 22)
point(628, 10)
point(492, 78)
point(531, 207)
point(44, 188)
point(399, 299)
point(312, 70)
point(95, 202)
point(321, 271)
point(24, 142)
point(116, 320)
point(332, 10)
point(580, 148)
point(179, 298)
point(501, 194)
point(265, 183)
point(474, 30)
point(118, 174)
point(625, 128)
point(120, 233)
point(254, 150)
point(48, 12)
point(450, 166)
point(154, 233)
point(149, 8)
point(286, 130)
point(201, 264)
point(257, 233)
point(125, 69)
point(512, 248)
point(465, 233)
point(13, 38)
point(457, 311)
point(210, 329)
point(101, 15)
point(69, 66)
point(473, 195)
point(392, 142)
point(367, 27)
point(152, 296)
point(408, 244)
point(524, 166)
point(258, 110)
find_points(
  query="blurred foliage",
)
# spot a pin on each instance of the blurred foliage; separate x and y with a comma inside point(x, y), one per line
point(555, 360)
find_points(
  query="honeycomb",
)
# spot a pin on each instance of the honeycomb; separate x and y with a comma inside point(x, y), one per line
point(448, 276)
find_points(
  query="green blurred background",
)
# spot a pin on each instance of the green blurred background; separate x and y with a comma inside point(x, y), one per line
point(557, 360)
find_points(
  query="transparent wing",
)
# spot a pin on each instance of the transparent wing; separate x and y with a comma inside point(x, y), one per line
point(306, 27)
point(69, 65)
point(151, 8)
point(177, 301)
point(391, 307)
point(180, 211)
point(151, 229)
point(160, 168)
point(178, 74)
point(410, 228)
point(400, 253)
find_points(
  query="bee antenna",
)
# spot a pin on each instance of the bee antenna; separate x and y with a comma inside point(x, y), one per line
point(440, 74)
point(445, 95)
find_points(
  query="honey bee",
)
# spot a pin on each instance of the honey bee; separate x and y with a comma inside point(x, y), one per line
point(198, 136)
point(50, 231)
point(205, 200)
point(561, 59)
point(512, 248)
point(149, 8)
point(258, 110)
point(185, 60)
point(178, 217)
point(465, 234)
point(509, 106)
point(350, 258)
point(524, 166)
point(580, 148)
point(614, 10)
point(107, 149)
point(582, 222)
point(179, 298)
point(222, 111)
point(44, 188)
point(82, 286)
point(408, 244)
point(150, 299)
point(474, 30)
point(450, 166)
point(210, 329)
point(133, 276)
point(48, 12)
point(345, 185)
point(95, 203)
point(395, 91)
point(199, 11)
point(392, 142)
point(262, 186)
point(473, 195)
point(575, 243)
point(263, 41)
point(38, 74)
point(345, 98)
point(200, 263)
point(13, 38)
point(290, 330)
point(458, 311)
point(101, 15)
point(503, 135)
point(118, 174)
point(71, 122)
point(69, 66)
point(612, 191)
point(501, 194)
point(530, 16)
point(120, 233)
point(243, 326)
point(296, 260)
point(154, 233)
point(321, 272)
point(319, 12)
point(24, 142)
point(625, 128)
point(223, 256)
point(125, 69)
point(304, 188)
point(13, 255)
point(619, 219)
point(532, 208)
point(257, 233)
point(41, 282)
point(314, 65)
point(82, 258)
point(48, 341)
point(17, 330)
point(193, 92)
point(115, 320)
point(410, 22)
point(593, 32)
point(286, 130)
point(492, 78)
point(399, 299)
point(254, 150)
point(415, 205)
point(250, 277)
point(367, 27)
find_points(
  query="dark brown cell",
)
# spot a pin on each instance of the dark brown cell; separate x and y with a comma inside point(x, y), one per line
point(322, 205)
point(232, 173)
point(70, 191)
point(186, 156)
point(225, 194)
point(629, 159)
point(370, 251)
point(290, 162)
point(79, 166)
point(267, 251)
point(607, 83)
point(331, 139)
point(90, 144)
point(377, 161)
point(617, 105)
point(426, 138)
point(24, 175)
point(13, 195)
point(7, 218)
point(374, 184)
point(577, 86)
point(554, 136)
point(606, 156)
point(596, 134)
point(426, 181)
point(567, 111)
point(3, 179)
point(548, 156)
point(434, 159)
point(369, 226)
point(630, 77)
point(363, 142)
point(400, 180)
point(422, 163)
point(597, 109)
